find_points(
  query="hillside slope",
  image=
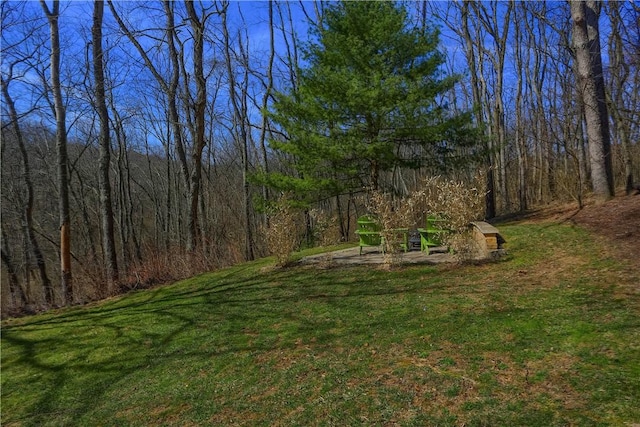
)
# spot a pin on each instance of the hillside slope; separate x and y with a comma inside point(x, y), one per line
point(547, 336)
point(617, 223)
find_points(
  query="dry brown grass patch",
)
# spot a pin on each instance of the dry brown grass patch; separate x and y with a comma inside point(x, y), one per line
point(446, 378)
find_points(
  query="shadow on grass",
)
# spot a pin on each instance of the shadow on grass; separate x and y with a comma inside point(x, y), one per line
point(78, 357)
point(61, 369)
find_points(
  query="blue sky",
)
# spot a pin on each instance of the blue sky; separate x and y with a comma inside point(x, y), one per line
point(75, 22)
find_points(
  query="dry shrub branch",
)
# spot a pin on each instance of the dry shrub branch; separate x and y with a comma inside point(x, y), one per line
point(456, 203)
point(283, 235)
point(326, 228)
point(392, 214)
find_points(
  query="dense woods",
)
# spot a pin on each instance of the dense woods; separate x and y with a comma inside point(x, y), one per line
point(136, 136)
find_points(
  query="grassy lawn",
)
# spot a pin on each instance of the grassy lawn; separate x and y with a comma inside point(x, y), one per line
point(548, 336)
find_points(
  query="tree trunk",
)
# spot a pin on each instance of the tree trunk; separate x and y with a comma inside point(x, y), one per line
point(619, 78)
point(265, 103)
point(28, 200)
point(586, 43)
point(241, 135)
point(199, 109)
point(15, 289)
point(61, 148)
point(106, 207)
point(520, 146)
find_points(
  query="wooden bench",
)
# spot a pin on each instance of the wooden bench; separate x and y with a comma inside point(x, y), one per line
point(487, 236)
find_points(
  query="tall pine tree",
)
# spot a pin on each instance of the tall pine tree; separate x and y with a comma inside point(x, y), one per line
point(366, 102)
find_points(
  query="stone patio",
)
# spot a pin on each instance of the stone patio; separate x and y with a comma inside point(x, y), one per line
point(373, 255)
point(488, 243)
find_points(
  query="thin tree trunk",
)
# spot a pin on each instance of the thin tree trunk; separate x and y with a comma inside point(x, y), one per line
point(240, 131)
point(61, 147)
point(106, 207)
point(265, 103)
point(520, 146)
point(32, 241)
point(80, 197)
point(15, 289)
point(169, 216)
point(123, 228)
point(247, 140)
point(619, 77)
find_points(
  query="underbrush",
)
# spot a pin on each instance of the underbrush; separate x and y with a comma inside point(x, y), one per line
point(157, 268)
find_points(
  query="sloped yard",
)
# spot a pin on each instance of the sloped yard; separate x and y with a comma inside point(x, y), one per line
point(547, 336)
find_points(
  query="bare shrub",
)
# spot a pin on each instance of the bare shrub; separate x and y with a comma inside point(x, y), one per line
point(326, 228)
point(455, 202)
point(160, 267)
point(283, 235)
point(464, 245)
point(392, 214)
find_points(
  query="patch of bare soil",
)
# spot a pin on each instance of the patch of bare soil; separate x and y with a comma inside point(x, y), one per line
point(615, 222)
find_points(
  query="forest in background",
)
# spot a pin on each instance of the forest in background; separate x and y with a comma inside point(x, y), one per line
point(151, 114)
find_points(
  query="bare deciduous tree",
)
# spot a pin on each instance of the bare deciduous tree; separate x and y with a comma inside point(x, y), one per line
point(620, 72)
point(28, 199)
point(106, 207)
point(239, 128)
point(198, 26)
point(586, 41)
point(53, 15)
point(170, 88)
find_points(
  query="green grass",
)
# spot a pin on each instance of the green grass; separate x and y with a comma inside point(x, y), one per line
point(548, 336)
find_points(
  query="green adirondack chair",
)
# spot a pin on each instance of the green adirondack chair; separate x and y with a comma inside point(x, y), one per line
point(368, 232)
point(434, 234)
